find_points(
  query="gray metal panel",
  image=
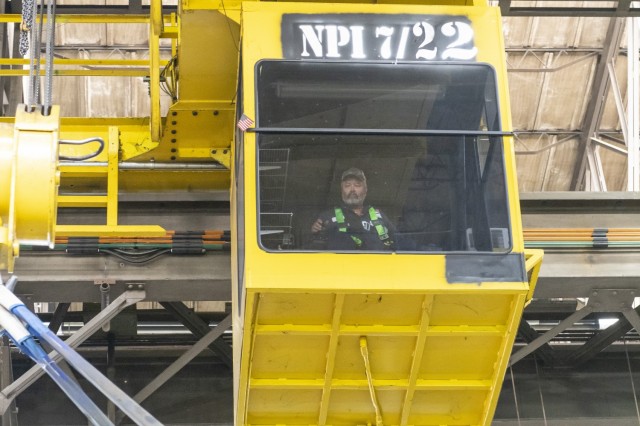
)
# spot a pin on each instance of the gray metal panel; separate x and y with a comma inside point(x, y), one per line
point(479, 267)
point(64, 278)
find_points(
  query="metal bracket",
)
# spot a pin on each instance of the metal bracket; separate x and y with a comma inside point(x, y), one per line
point(610, 300)
point(222, 156)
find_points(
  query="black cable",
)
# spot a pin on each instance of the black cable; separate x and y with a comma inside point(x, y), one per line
point(134, 261)
point(82, 142)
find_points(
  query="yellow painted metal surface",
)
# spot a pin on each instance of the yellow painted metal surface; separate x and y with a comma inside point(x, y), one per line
point(29, 182)
point(335, 339)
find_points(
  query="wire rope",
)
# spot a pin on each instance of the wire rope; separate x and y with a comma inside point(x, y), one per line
point(515, 396)
point(544, 411)
point(51, 39)
point(633, 386)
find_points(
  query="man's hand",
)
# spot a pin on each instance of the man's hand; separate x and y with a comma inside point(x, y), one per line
point(318, 226)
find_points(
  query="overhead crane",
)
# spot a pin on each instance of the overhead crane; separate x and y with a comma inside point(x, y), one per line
point(288, 99)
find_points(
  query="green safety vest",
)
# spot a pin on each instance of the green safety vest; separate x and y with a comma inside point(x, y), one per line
point(381, 230)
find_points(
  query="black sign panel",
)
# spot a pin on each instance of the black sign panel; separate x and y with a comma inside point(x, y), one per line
point(378, 37)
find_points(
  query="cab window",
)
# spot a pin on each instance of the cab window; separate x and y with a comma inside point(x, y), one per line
point(418, 136)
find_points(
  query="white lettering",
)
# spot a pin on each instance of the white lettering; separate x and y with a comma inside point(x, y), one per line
point(357, 44)
point(427, 31)
point(337, 36)
point(403, 43)
point(464, 35)
point(385, 49)
point(313, 39)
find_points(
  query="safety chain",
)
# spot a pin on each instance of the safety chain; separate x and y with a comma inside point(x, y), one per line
point(30, 42)
point(25, 26)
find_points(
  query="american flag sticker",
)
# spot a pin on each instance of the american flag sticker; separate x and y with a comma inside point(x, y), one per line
point(244, 123)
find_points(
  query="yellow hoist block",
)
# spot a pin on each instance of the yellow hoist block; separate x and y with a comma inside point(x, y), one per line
point(29, 180)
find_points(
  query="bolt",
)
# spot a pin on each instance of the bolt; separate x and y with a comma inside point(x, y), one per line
point(173, 150)
point(174, 140)
point(174, 113)
point(173, 132)
point(215, 112)
point(225, 151)
point(173, 157)
point(213, 151)
point(140, 286)
point(194, 113)
point(174, 123)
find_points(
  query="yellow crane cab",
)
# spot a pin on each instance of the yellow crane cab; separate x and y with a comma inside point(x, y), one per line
point(378, 261)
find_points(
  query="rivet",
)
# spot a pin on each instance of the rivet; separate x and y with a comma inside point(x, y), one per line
point(173, 132)
point(174, 113)
point(194, 112)
point(215, 112)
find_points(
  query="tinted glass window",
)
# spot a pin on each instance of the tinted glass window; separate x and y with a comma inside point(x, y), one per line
point(376, 96)
point(395, 192)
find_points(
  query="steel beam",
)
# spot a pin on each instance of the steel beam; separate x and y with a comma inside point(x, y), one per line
point(546, 337)
point(58, 316)
point(9, 417)
point(199, 328)
point(546, 352)
point(56, 278)
point(182, 361)
point(128, 298)
point(595, 107)
point(594, 8)
point(599, 342)
point(632, 122)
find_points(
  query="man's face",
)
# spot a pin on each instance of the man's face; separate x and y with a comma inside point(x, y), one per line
point(354, 192)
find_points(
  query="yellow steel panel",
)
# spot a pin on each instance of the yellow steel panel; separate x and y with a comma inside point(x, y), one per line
point(85, 19)
point(110, 231)
point(82, 201)
point(287, 308)
point(389, 357)
point(289, 356)
point(155, 29)
point(472, 309)
point(460, 357)
point(112, 176)
point(447, 407)
point(287, 406)
point(83, 62)
point(83, 170)
point(106, 72)
point(388, 309)
point(208, 76)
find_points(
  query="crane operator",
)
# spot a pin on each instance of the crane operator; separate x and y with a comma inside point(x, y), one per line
point(353, 225)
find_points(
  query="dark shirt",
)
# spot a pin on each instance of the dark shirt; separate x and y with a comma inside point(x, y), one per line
point(361, 227)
